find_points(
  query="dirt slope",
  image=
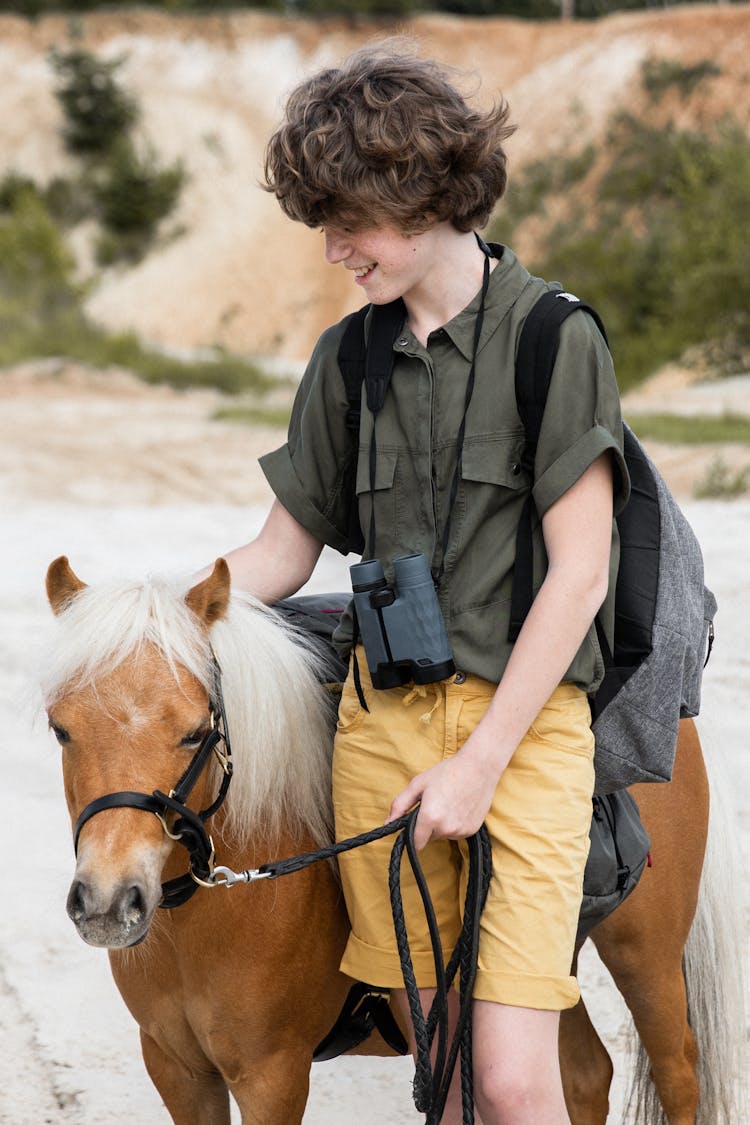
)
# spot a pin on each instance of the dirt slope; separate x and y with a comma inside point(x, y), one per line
point(241, 274)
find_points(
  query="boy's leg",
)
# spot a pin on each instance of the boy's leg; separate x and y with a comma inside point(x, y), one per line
point(453, 1113)
point(516, 1066)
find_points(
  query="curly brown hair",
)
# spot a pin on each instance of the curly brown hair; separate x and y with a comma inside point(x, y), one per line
point(386, 138)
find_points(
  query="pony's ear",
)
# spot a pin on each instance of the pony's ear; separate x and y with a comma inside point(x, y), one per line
point(209, 600)
point(62, 584)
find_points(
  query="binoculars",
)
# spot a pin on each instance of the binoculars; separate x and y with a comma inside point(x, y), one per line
point(401, 625)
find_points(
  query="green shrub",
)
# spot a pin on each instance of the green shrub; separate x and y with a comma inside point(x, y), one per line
point(662, 249)
point(693, 429)
point(720, 482)
point(658, 75)
point(528, 193)
point(126, 190)
point(41, 312)
point(97, 111)
point(225, 372)
point(13, 186)
point(32, 251)
point(132, 194)
point(277, 416)
point(68, 201)
point(38, 298)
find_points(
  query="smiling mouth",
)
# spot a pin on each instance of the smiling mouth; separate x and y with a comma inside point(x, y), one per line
point(362, 272)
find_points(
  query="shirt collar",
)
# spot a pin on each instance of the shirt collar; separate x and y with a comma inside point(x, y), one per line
point(507, 281)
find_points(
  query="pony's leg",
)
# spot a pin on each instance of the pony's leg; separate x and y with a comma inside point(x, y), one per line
point(643, 942)
point(274, 1089)
point(657, 1001)
point(585, 1066)
point(189, 1096)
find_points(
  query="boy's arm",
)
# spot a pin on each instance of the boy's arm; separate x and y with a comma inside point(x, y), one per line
point(276, 563)
point(456, 794)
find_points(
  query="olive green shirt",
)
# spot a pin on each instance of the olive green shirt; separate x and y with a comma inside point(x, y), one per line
point(416, 435)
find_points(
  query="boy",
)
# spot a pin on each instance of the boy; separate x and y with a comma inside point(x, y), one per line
point(398, 171)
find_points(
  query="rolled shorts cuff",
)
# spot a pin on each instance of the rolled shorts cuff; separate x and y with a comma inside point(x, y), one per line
point(546, 993)
point(380, 967)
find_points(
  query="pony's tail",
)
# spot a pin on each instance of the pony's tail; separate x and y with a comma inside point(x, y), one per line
point(714, 969)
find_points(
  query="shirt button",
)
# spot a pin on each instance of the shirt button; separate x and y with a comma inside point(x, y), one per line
point(460, 678)
point(402, 342)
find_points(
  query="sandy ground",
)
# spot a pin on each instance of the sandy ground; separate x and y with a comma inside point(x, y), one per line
point(129, 480)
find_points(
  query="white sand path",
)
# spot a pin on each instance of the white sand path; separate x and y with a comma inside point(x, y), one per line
point(70, 1050)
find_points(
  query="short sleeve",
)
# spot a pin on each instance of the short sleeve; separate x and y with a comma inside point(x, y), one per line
point(582, 417)
point(312, 473)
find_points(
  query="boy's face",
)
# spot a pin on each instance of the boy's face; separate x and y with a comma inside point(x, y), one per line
point(384, 261)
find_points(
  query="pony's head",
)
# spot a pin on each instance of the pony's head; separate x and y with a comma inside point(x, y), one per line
point(128, 687)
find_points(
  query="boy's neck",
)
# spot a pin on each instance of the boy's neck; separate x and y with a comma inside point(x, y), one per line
point(451, 281)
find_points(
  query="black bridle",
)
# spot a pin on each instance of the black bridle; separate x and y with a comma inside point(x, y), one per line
point(189, 827)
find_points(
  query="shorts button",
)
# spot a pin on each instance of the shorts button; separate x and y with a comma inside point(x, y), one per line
point(460, 678)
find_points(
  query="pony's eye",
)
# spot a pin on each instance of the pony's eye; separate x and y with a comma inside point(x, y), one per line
point(60, 733)
point(194, 738)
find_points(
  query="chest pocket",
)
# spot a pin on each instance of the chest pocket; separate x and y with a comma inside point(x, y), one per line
point(385, 470)
point(482, 551)
point(386, 493)
point(495, 461)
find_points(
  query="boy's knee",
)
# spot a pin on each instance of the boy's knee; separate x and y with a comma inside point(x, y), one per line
point(501, 1092)
point(515, 1097)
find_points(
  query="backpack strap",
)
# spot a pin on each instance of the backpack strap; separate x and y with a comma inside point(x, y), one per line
point(351, 360)
point(372, 360)
point(535, 362)
point(374, 364)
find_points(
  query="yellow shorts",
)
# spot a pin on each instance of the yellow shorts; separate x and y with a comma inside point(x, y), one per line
point(538, 823)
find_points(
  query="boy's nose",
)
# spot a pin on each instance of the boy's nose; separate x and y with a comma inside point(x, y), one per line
point(338, 247)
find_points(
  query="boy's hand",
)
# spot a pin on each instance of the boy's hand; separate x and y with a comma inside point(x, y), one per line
point(454, 795)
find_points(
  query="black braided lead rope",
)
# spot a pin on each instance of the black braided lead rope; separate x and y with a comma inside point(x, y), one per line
point(294, 863)
point(431, 1082)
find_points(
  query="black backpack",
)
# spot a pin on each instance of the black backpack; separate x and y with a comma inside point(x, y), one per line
point(663, 611)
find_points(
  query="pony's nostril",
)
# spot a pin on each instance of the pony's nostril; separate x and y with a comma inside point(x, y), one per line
point(76, 905)
point(133, 906)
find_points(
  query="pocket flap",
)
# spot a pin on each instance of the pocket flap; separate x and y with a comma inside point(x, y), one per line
point(385, 470)
point(494, 461)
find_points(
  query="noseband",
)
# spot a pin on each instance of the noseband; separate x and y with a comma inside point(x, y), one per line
point(189, 827)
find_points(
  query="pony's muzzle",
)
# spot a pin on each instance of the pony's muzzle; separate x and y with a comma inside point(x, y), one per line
point(114, 916)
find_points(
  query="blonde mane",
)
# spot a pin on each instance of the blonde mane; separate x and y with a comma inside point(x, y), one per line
point(278, 715)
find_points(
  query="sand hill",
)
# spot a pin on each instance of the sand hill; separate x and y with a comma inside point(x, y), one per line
point(242, 275)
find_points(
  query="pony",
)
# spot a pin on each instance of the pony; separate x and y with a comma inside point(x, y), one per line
point(232, 991)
